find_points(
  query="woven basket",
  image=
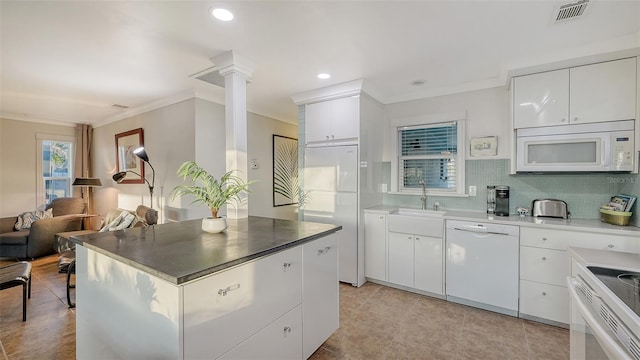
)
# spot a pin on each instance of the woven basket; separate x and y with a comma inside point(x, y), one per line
point(615, 217)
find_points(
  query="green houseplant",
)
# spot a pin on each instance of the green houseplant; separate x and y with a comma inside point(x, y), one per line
point(213, 193)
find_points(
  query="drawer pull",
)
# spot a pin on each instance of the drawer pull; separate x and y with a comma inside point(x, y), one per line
point(544, 293)
point(544, 239)
point(286, 265)
point(287, 329)
point(610, 246)
point(325, 250)
point(224, 291)
point(544, 258)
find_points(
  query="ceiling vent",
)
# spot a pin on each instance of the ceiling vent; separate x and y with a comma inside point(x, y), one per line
point(210, 75)
point(570, 10)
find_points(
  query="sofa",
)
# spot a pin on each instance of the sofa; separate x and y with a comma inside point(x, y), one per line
point(38, 240)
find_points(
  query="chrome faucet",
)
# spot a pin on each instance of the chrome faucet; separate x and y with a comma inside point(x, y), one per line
point(423, 198)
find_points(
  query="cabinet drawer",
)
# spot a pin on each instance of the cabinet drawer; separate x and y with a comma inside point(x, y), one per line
point(223, 309)
point(415, 225)
point(282, 339)
point(544, 265)
point(545, 301)
point(562, 239)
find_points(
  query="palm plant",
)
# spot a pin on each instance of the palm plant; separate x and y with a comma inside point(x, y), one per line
point(212, 192)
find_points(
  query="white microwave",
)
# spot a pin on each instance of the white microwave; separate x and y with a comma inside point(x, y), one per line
point(596, 147)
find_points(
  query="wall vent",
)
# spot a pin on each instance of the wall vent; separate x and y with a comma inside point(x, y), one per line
point(570, 10)
point(119, 107)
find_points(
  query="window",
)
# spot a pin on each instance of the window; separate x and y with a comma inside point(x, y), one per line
point(55, 167)
point(431, 153)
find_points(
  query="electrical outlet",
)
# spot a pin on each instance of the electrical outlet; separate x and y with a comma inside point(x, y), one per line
point(473, 191)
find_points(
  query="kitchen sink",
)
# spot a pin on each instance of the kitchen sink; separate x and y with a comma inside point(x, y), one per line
point(420, 212)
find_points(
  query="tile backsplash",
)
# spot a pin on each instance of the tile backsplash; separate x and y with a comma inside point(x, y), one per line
point(584, 193)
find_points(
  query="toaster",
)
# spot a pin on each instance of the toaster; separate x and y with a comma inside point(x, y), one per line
point(550, 208)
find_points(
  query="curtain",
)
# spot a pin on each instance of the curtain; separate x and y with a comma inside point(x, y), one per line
point(84, 136)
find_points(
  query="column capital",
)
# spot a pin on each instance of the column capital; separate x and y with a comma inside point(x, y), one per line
point(230, 62)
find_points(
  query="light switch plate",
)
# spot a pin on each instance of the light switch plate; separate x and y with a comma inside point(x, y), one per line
point(473, 191)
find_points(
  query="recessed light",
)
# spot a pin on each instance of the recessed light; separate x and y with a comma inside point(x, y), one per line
point(323, 76)
point(222, 14)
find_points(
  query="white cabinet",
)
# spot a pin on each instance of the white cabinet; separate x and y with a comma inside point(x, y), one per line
point(321, 314)
point(428, 264)
point(585, 94)
point(222, 310)
point(333, 120)
point(401, 252)
point(541, 99)
point(282, 339)
point(375, 246)
point(545, 264)
point(603, 92)
point(416, 259)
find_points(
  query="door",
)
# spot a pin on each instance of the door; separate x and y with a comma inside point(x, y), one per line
point(603, 92)
point(541, 99)
point(331, 168)
point(428, 264)
point(401, 259)
point(375, 246)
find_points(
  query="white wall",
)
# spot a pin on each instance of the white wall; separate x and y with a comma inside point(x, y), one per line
point(190, 130)
point(486, 112)
point(169, 138)
point(259, 147)
point(18, 159)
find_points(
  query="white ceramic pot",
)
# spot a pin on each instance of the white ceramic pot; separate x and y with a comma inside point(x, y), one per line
point(214, 226)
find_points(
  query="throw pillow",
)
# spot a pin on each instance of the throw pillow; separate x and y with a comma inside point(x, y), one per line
point(27, 218)
point(122, 221)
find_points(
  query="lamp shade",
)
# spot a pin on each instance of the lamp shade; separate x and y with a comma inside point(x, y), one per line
point(118, 177)
point(139, 152)
point(87, 182)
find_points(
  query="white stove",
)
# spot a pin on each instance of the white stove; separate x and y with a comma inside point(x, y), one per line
point(605, 305)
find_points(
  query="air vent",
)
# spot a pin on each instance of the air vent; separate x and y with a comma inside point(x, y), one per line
point(634, 348)
point(569, 11)
point(120, 107)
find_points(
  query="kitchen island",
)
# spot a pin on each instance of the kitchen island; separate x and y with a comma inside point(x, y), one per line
point(172, 291)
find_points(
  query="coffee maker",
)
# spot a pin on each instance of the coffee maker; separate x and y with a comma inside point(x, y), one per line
point(502, 200)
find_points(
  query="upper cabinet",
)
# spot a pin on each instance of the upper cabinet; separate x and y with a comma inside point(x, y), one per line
point(585, 94)
point(335, 120)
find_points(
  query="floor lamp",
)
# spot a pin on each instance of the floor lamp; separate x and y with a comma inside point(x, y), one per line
point(152, 215)
point(87, 183)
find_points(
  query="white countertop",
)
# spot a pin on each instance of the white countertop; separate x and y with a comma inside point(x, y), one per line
point(606, 258)
point(590, 225)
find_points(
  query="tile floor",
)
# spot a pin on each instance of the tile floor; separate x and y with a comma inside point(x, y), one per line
point(376, 322)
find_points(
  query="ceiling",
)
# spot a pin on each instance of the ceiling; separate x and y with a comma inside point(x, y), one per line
point(69, 62)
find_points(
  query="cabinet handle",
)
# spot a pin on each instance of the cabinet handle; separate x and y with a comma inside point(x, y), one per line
point(563, 120)
point(575, 119)
point(544, 293)
point(610, 246)
point(544, 239)
point(381, 217)
point(325, 250)
point(287, 330)
point(286, 265)
point(224, 291)
point(544, 258)
point(417, 238)
point(327, 137)
point(333, 137)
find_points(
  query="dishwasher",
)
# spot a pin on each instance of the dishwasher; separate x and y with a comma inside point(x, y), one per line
point(482, 265)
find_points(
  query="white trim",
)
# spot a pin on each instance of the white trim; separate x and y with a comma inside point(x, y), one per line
point(460, 118)
point(351, 88)
point(40, 195)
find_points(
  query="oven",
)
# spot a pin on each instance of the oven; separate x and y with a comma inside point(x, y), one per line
point(605, 304)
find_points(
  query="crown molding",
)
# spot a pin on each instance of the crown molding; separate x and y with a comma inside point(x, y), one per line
point(37, 119)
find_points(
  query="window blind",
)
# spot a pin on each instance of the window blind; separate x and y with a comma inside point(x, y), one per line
point(428, 152)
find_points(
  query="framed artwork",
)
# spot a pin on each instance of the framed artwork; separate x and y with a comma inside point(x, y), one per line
point(126, 160)
point(484, 146)
point(285, 171)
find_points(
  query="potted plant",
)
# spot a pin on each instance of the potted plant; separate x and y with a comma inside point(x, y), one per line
point(212, 192)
